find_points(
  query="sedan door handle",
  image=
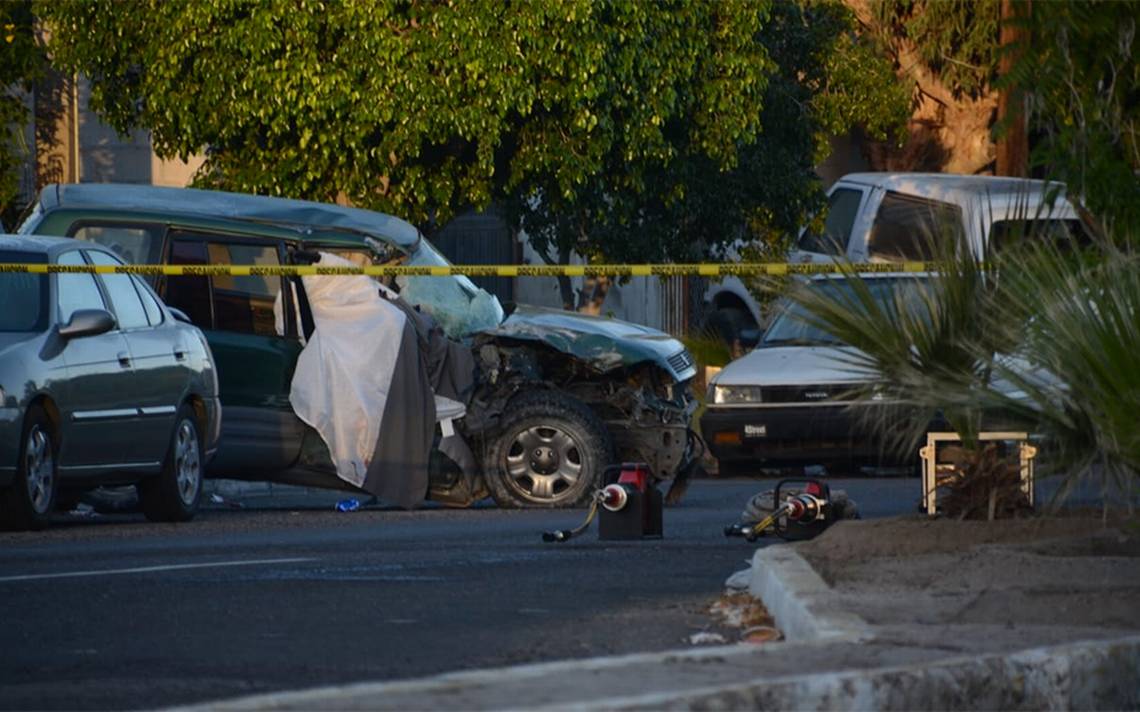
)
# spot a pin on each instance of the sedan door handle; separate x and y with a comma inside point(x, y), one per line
point(124, 359)
point(179, 354)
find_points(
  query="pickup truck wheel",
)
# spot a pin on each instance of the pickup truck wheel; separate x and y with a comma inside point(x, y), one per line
point(28, 502)
point(173, 495)
point(727, 323)
point(549, 453)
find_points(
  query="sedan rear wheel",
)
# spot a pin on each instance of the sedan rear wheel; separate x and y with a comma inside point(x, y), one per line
point(173, 495)
point(28, 502)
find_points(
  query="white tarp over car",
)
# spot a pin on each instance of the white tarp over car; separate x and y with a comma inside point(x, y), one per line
point(361, 384)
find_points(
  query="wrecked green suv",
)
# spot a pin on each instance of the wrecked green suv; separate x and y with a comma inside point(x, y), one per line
point(558, 396)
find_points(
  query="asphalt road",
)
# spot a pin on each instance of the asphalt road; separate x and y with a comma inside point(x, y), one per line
point(115, 612)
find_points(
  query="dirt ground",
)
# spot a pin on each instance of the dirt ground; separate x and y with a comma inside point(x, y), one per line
point(1075, 571)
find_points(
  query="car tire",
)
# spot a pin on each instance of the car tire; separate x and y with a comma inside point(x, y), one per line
point(550, 452)
point(174, 494)
point(28, 502)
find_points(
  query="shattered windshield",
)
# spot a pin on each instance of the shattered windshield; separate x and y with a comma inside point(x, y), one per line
point(455, 302)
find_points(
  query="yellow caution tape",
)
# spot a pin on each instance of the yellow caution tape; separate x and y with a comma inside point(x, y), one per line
point(666, 270)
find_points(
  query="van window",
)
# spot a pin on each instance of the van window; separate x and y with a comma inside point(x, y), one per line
point(907, 228)
point(842, 208)
point(191, 294)
point(135, 244)
point(243, 304)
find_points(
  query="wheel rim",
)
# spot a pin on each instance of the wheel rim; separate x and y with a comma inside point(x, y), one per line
point(187, 462)
point(543, 463)
point(39, 469)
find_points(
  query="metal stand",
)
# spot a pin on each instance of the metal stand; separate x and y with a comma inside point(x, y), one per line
point(928, 453)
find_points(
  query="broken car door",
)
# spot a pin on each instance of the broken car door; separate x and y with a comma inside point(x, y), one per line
point(255, 363)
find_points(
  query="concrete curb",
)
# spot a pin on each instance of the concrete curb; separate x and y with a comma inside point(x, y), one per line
point(332, 697)
point(798, 598)
point(1084, 675)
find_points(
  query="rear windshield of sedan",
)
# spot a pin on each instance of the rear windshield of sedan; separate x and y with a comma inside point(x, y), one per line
point(23, 296)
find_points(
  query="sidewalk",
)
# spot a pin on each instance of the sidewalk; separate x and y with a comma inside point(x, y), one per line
point(844, 650)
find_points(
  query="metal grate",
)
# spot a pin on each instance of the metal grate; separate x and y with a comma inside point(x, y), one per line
point(681, 361)
point(822, 393)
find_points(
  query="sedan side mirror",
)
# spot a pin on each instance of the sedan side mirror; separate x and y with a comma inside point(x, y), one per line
point(87, 322)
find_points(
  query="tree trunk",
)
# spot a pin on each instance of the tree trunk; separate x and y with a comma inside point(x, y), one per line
point(1013, 136)
point(594, 292)
point(946, 132)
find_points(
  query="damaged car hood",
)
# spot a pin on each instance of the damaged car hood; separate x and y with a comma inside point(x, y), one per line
point(605, 344)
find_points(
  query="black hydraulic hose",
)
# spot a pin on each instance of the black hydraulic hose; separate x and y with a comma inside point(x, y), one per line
point(567, 534)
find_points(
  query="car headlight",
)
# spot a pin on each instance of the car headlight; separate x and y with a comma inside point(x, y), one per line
point(724, 395)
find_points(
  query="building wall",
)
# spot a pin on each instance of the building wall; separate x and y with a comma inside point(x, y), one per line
point(72, 145)
point(107, 157)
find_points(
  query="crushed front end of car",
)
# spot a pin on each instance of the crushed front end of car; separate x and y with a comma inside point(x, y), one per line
point(634, 381)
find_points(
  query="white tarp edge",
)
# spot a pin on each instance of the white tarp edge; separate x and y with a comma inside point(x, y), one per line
point(344, 374)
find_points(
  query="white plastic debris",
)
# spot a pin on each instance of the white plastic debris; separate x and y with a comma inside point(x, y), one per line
point(739, 581)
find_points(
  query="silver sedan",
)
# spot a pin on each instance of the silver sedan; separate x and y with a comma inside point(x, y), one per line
point(100, 384)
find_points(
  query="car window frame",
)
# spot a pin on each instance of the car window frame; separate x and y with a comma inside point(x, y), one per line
point(106, 290)
point(206, 236)
point(146, 292)
point(82, 251)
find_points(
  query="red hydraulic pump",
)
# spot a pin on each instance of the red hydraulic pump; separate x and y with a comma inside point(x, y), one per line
point(629, 507)
point(632, 507)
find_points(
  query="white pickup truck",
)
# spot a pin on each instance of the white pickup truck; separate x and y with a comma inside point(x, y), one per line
point(889, 217)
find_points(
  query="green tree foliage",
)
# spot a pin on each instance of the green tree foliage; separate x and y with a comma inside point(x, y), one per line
point(421, 108)
point(824, 81)
point(1080, 73)
point(855, 87)
point(956, 39)
point(21, 61)
point(627, 130)
point(1077, 67)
